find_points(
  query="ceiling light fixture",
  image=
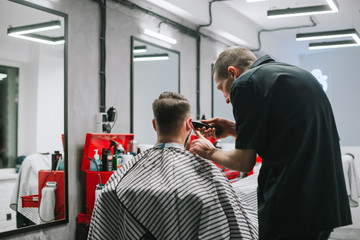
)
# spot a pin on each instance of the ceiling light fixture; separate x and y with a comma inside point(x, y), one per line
point(256, 0)
point(39, 27)
point(336, 44)
point(139, 49)
point(42, 39)
point(355, 41)
point(331, 7)
point(160, 36)
point(329, 34)
point(27, 32)
point(3, 76)
point(151, 57)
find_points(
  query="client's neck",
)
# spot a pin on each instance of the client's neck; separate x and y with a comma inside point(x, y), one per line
point(168, 139)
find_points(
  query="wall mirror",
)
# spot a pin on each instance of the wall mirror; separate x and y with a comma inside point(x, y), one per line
point(219, 108)
point(154, 69)
point(33, 117)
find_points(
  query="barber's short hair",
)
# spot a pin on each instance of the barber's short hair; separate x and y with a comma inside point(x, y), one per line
point(236, 56)
point(170, 111)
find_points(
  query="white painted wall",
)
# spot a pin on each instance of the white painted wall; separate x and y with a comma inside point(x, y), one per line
point(50, 100)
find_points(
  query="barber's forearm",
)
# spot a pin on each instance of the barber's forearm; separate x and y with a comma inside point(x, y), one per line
point(239, 160)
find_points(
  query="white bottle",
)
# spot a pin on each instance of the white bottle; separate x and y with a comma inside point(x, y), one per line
point(97, 160)
point(121, 153)
point(127, 158)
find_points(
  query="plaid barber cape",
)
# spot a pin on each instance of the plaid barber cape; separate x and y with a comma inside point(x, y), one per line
point(169, 193)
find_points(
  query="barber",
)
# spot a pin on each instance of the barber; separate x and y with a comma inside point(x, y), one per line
point(283, 115)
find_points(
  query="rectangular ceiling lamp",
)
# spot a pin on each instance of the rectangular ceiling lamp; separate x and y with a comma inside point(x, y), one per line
point(336, 44)
point(256, 0)
point(41, 38)
point(331, 7)
point(3, 76)
point(39, 27)
point(329, 34)
point(355, 41)
point(160, 36)
point(151, 57)
point(139, 49)
point(28, 32)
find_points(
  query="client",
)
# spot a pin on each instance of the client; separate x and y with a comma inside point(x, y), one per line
point(167, 192)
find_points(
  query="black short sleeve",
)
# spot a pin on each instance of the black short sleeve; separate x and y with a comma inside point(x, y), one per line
point(249, 115)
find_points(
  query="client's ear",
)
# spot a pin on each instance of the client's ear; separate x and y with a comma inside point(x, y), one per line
point(188, 124)
point(154, 124)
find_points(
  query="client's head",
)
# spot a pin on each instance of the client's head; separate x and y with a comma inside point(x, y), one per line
point(172, 117)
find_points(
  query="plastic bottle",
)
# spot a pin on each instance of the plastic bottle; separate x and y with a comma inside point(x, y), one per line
point(133, 144)
point(120, 154)
point(106, 159)
point(92, 165)
point(97, 160)
point(115, 158)
point(127, 158)
point(54, 159)
point(60, 165)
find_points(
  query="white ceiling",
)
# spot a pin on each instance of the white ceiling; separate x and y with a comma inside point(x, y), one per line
point(253, 15)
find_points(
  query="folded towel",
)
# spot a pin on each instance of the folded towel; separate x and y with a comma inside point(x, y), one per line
point(47, 204)
point(352, 180)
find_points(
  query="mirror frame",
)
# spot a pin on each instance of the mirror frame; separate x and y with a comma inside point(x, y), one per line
point(133, 38)
point(66, 200)
point(212, 90)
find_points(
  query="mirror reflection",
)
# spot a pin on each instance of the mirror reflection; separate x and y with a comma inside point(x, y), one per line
point(219, 108)
point(154, 70)
point(31, 116)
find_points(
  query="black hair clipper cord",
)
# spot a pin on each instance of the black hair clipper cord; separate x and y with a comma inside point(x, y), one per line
point(197, 124)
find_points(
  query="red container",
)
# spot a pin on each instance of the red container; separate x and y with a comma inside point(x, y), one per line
point(92, 179)
point(258, 160)
point(102, 140)
point(84, 218)
point(31, 201)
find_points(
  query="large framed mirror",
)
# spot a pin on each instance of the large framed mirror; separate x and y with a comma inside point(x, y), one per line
point(154, 69)
point(33, 117)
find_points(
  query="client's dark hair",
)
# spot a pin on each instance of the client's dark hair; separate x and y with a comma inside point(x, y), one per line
point(236, 56)
point(170, 111)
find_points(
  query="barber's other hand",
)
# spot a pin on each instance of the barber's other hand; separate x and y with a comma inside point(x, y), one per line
point(202, 146)
point(227, 128)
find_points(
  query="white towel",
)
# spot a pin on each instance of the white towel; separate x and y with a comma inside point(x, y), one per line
point(47, 204)
point(28, 184)
point(352, 181)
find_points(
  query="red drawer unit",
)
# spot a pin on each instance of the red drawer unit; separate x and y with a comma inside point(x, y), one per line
point(31, 201)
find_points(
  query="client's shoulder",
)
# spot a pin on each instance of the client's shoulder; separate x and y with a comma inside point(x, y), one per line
point(196, 160)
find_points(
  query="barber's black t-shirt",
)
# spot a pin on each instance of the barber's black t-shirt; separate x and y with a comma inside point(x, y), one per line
point(283, 113)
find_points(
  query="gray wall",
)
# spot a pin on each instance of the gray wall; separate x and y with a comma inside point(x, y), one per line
point(341, 66)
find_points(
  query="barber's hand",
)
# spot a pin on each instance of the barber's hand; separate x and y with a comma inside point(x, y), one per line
point(202, 146)
point(227, 128)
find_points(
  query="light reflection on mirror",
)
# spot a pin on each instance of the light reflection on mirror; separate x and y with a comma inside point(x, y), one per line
point(154, 70)
point(31, 120)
